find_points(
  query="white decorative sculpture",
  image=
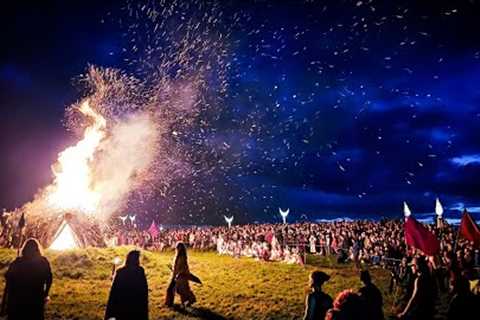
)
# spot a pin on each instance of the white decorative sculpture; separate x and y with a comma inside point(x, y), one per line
point(284, 214)
point(229, 220)
point(123, 218)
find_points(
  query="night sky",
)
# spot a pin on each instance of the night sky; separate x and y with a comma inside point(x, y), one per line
point(333, 108)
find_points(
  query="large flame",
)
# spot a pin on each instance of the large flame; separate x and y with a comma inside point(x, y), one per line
point(73, 185)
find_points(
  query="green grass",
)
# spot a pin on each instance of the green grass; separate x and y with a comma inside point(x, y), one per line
point(233, 288)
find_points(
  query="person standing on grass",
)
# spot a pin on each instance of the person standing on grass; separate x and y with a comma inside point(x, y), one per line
point(371, 297)
point(128, 297)
point(464, 301)
point(421, 303)
point(317, 302)
point(28, 281)
point(180, 278)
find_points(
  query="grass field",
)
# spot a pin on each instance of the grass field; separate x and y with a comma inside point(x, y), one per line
point(233, 288)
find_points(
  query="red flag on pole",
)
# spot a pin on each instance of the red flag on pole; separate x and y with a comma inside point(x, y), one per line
point(469, 229)
point(419, 237)
point(153, 230)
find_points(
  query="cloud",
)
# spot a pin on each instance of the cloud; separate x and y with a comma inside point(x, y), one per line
point(460, 206)
point(465, 160)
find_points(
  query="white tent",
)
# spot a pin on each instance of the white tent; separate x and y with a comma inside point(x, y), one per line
point(65, 238)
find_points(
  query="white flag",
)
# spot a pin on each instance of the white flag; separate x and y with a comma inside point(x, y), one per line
point(438, 208)
point(406, 210)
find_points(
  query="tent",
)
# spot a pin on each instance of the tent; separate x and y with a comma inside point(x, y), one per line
point(65, 238)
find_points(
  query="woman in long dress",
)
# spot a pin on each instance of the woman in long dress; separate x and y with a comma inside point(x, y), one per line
point(180, 277)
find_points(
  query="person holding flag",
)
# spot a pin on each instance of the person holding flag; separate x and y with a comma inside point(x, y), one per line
point(421, 302)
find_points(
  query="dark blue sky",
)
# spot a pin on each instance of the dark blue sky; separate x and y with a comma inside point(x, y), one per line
point(333, 107)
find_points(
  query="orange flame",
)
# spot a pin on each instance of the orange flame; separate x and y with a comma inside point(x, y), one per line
point(73, 185)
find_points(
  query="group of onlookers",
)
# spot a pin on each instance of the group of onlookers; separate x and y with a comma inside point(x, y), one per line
point(29, 278)
point(367, 303)
point(370, 242)
point(416, 280)
point(419, 299)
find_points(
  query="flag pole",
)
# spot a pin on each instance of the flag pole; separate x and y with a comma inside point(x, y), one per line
point(21, 226)
point(458, 233)
point(19, 243)
point(456, 241)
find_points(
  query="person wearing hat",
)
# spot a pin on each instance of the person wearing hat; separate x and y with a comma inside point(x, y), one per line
point(317, 302)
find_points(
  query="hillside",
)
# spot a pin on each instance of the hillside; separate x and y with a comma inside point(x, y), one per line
point(233, 288)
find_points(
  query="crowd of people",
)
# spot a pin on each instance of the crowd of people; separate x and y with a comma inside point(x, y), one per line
point(416, 279)
point(29, 278)
point(363, 242)
point(367, 303)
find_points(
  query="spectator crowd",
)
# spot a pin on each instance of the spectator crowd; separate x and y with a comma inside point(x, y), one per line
point(416, 279)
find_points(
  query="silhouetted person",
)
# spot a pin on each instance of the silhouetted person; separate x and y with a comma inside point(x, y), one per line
point(347, 306)
point(421, 303)
point(406, 281)
point(28, 281)
point(371, 297)
point(128, 298)
point(317, 302)
point(463, 302)
point(180, 278)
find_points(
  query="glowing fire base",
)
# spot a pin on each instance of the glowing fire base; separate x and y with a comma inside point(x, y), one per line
point(65, 238)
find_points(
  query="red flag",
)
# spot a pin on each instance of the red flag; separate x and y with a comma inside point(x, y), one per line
point(469, 229)
point(269, 237)
point(419, 237)
point(153, 230)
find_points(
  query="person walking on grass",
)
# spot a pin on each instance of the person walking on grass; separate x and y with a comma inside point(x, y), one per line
point(128, 297)
point(27, 283)
point(317, 302)
point(179, 281)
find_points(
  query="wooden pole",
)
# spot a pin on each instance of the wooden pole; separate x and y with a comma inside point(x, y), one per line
point(114, 267)
point(456, 241)
point(20, 241)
